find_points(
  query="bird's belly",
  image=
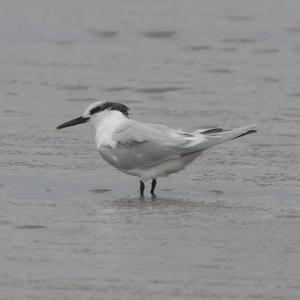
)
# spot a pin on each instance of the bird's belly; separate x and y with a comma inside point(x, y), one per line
point(164, 168)
point(146, 173)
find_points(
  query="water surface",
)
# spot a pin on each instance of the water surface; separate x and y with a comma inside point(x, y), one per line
point(227, 227)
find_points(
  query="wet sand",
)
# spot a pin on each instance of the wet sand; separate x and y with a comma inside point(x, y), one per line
point(227, 227)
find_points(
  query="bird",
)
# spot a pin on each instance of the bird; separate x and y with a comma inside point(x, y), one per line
point(148, 150)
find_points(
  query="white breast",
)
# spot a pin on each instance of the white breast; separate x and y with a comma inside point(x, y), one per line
point(106, 123)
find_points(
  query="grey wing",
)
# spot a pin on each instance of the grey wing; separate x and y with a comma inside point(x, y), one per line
point(137, 155)
point(141, 145)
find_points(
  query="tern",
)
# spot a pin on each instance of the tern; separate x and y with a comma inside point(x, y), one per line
point(147, 150)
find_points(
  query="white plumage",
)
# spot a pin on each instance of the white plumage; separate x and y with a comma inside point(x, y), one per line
point(148, 150)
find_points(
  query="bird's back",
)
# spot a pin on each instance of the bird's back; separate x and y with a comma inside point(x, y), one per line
point(139, 145)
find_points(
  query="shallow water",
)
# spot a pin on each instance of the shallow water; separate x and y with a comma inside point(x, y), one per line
point(227, 227)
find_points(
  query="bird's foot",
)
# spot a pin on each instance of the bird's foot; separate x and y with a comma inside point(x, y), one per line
point(142, 188)
point(153, 185)
point(153, 196)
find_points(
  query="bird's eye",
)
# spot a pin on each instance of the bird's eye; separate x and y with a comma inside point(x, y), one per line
point(96, 109)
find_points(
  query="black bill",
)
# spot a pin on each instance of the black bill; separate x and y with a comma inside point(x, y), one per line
point(73, 122)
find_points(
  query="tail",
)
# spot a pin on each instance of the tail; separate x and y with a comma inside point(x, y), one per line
point(215, 136)
point(227, 135)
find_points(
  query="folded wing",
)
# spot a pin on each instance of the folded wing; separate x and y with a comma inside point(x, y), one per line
point(140, 145)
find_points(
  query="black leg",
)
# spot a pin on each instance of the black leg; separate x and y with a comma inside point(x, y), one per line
point(142, 188)
point(153, 185)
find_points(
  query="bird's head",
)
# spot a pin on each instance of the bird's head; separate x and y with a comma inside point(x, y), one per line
point(94, 110)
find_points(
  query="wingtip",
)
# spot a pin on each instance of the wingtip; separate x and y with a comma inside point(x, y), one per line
point(249, 131)
point(253, 127)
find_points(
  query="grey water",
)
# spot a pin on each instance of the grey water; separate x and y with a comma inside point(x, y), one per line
point(72, 227)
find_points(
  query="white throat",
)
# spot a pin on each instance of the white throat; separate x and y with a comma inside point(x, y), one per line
point(106, 123)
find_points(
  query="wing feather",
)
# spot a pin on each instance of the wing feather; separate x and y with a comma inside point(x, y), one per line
point(140, 145)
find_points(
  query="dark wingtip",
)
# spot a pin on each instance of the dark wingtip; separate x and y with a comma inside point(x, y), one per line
point(213, 130)
point(249, 132)
point(246, 133)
